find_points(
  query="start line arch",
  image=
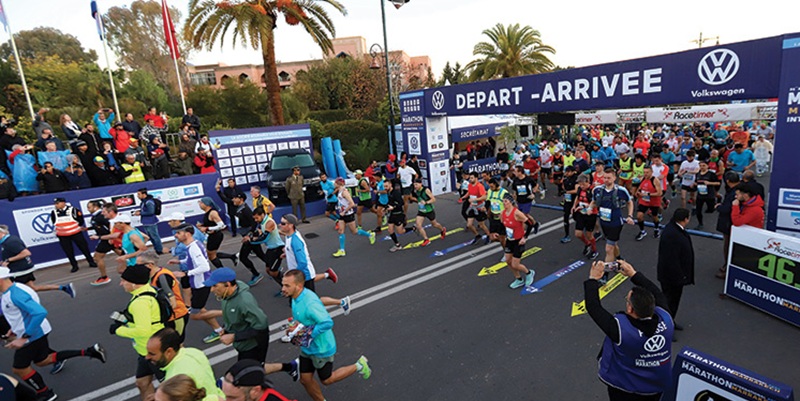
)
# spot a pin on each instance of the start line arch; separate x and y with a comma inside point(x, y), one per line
point(757, 69)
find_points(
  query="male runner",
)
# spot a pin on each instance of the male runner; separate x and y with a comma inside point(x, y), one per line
point(626, 171)
point(267, 232)
point(407, 176)
point(475, 198)
point(516, 234)
point(164, 280)
point(569, 187)
point(524, 189)
point(101, 227)
point(382, 200)
point(585, 216)
point(495, 195)
point(425, 200)
point(707, 185)
point(364, 194)
point(661, 171)
point(688, 175)
point(329, 191)
point(244, 217)
point(16, 256)
point(346, 208)
point(397, 219)
point(133, 241)
point(547, 166)
point(610, 199)
point(650, 192)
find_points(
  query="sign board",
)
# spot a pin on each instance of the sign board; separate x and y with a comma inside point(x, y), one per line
point(764, 272)
point(243, 154)
point(701, 377)
point(475, 132)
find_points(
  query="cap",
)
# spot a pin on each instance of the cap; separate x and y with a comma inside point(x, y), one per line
point(118, 124)
point(136, 274)
point(56, 200)
point(5, 272)
point(184, 227)
point(339, 181)
point(291, 219)
point(359, 172)
point(99, 159)
point(247, 373)
point(122, 218)
point(240, 196)
point(178, 216)
point(221, 275)
point(80, 143)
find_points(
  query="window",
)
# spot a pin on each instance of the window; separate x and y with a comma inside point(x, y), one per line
point(204, 78)
point(284, 162)
point(284, 77)
point(243, 77)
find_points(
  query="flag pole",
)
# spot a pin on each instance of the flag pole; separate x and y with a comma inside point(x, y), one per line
point(108, 66)
point(180, 84)
point(19, 63)
point(172, 43)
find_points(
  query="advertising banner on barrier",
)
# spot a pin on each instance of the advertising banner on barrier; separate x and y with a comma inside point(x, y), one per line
point(764, 272)
point(713, 113)
point(597, 117)
point(245, 153)
point(702, 377)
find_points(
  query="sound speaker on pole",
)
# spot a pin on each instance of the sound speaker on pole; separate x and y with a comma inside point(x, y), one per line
point(524, 131)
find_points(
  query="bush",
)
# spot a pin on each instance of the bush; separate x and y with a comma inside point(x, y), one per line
point(329, 116)
point(351, 132)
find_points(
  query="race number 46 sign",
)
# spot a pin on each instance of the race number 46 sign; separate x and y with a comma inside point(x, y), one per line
point(764, 272)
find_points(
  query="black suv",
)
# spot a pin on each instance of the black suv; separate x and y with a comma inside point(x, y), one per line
point(280, 168)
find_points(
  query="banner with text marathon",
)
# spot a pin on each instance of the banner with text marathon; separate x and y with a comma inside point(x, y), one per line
point(702, 377)
point(764, 272)
point(744, 70)
point(244, 153)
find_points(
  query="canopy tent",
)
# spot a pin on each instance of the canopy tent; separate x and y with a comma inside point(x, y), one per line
point(699, 113)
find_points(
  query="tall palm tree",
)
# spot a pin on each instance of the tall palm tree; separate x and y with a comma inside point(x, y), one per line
point(511, 52)
point(253, 22)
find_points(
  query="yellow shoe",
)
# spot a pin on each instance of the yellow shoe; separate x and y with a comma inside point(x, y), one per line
point(339, 253)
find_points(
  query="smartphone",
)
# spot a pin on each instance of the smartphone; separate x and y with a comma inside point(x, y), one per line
point(611, 267)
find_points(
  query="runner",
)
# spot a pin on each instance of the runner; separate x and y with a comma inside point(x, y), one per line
point(688, 176)
point(495, 195)
point(516, 235)
point(407, 176)
point(475, 199)
point(213, 227)
point(649, 193)
point(16, 256)
point(425, 200)
point(397, 219)
point(610, 199)
point(671, 161)
point(364, 195)
point(149, 218)
point(661, 171)
point(547, 166)
point(266, 232)
point(570, 189)
point(308, 310)
point(524, 190)
point(626, 171)
point(101, 232)
point(68, 222)
point(329, 191)
point(585, 216)
point(558, 170)
point(28, 335)
point(246, 224)
point(133, 241)
point(382, 200)
point(179, 252)
point(639, 162)
point(164, 280)
point(346, 207)
point(707, 185)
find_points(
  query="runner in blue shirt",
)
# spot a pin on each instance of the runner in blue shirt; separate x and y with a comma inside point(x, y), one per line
point(741, 159)
point(610, 199)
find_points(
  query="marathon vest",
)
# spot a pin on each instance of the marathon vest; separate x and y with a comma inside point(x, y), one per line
point(179, 310)
point(137, 175)
point(422, 195)
point(584, 200)
point(496, 202)
point(649, 187)
point(515, 230)
point(613, 196)
point(638, 364)
point(66, 225)
point(625, 167)
point(568, 160)
point(364, 196)
point(638, 173)
point(273, 240)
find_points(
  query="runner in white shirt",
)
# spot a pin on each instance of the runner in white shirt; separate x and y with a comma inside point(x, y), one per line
point(688, 175)
point(406, 175)
point(546, 163)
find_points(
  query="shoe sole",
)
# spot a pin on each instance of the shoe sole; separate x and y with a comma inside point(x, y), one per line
point(100, 350)
point(96, 284)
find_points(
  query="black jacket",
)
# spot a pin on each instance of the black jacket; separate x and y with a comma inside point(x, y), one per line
point(132, 127)
point(756, 187)
point(675, 256)
point(724, 209)
point(56, 182)
point(7, 190)
point(92, 141)
point(192, 120)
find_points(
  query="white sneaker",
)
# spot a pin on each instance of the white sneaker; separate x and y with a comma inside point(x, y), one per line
point(286, 339)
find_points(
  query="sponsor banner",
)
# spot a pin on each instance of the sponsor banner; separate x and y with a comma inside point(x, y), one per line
point(744, 70)
point(628, 117)
point(244, 154)
point(489, 165)
point(702, 377)
point(713, 113)
point(474, 132)
point(414, 143)
point(597, 117)
point(34, 225)
point(764, 272)
point(436, 133)
point(788, 218)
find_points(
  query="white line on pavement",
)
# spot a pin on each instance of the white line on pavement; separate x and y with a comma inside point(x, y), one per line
point(394, 285)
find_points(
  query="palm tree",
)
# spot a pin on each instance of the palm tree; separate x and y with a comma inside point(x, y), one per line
point(254, 22)
point(512, 51)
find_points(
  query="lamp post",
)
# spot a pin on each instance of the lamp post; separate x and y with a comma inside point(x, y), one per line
point(373, 52)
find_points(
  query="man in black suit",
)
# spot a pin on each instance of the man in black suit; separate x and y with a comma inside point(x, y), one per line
point(675, 260)
point(749, 179)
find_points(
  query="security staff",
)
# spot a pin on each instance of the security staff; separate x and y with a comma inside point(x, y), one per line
point(635, 360)
point(69, 222)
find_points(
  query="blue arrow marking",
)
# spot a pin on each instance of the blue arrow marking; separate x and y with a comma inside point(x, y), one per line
point(539, 285)
point(455, 247)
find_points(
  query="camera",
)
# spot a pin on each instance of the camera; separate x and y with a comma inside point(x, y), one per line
point(611, 267)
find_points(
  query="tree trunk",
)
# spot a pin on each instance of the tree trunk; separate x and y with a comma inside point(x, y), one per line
point(271, 78)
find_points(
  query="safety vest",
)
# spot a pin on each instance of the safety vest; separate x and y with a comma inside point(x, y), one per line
point(638, 173)
point(568, 160)
point(496, 202)
point(625, 168)
point(136, 176)
point(65, 224)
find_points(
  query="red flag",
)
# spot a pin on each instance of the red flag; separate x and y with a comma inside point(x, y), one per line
point(169, 32)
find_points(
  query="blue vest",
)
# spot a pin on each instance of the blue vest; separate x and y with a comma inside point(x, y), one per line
point(639, 364)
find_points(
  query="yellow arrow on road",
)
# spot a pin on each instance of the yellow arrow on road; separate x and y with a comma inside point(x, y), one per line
point(488, 271)
point(579, 308)
point(418, 243)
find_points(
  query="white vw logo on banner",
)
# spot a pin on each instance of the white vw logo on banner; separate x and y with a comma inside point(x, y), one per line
point(718, 66)
point(655, 343)
point(438, 100)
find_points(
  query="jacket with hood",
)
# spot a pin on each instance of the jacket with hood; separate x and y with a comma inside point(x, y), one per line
point(750, 213)
point(243, 318)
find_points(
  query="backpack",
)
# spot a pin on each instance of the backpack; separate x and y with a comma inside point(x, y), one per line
point(162, 297)
point(615, 200)
point(157, 203)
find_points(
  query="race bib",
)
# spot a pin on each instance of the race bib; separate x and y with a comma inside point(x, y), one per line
point(557, 168)
point(637, 180)
point(688, 179)
point(605, 214)
point(568, 197)
point(702, 189)
point(645, 196)
point(503, 166)
point(509, 234)
point(527, 172)
point(584, 207)
point(421, 207)
point(625, 175)
point(495, 207)
point(522, 190)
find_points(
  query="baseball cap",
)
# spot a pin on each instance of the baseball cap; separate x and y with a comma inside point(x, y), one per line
point(5, 272)
point(80, 143)
point(240, 196)
point(122, 218)
point(291, 219)
point(247, 373)
point(359, 172)
point(99, 159)
point(178, 216)
point(59, 199)
point(221, 275)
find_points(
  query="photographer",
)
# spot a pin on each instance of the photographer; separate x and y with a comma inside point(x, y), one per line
point(635, 358)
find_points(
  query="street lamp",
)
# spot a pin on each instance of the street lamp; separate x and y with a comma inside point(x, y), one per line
point(373, 52)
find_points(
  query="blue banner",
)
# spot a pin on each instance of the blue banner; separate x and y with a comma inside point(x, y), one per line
point(489, 165)
point(475, 132)
point(744, 70)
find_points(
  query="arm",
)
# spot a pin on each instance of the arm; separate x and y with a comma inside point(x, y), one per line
point(37, 313)
point(601, 317)
point(322, 320)
point(432, 198)
point(642, 281)
point(299, 254)
point(140, 247)
point(139, 310)
point(22, 255)
point(659, 189)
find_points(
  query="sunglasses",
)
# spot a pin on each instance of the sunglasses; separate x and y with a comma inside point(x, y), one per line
point(283, 223)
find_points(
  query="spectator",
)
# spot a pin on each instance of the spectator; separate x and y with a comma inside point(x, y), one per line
point(52, 179)
point(112, 156)
point(391, 167)
point(71, 130)
point(77, 177)
point(138, 149)
point(131, 125)
point(629, 374)
point(10, 138)
point(191, 119)
point(749, 179)
point(187, 144)
point(295, 193)
point(24, 172)
point(82, 151)
point(413, 163)
point(182, 166)
point(7, 189)
point(724, 208)
point(160, 164)
point(132, 169)
point(100, 174)
point(46, 137)
point(149, 132)
point(747, 208)
point(205, 161)
point(158, 122)
point(103, 123)
point(147, 212)
point(59, 158)
point(203, 145)
point(39, 123)
point(227, 194)
point(92, 140)
point(122, 138)
point(675, 261)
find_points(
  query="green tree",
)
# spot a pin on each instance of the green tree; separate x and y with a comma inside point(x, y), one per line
point(233, 105)
point(342, 84)
point(294, 110)
point(453, 75)
point(142, 87)
point(254, 22)
point(136, 35)
point(511, 51)
point(43, 42)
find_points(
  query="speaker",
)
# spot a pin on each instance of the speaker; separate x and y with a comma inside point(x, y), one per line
point(556, 119)
point(524, 131)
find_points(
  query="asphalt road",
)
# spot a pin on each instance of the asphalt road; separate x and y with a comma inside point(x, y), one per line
point(432, 328)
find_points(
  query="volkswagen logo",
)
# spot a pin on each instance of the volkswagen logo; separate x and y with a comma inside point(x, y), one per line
point(437, 100)
point(42, 224)
point(655, 343)
point(718, 66)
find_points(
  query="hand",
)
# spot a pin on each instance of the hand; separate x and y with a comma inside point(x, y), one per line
point(113, 328)
point(626, 269)
point(17, 344)
point(4, 263)
point(736, 202)
point(94, 237)
point(121, 259)
point(629, 220)
point(245, 239)
point(523, 240)
point(137, 213)
point(226, 339)
point(597, 271)
point(173, 262)
point(283, 255)
point(178, 274)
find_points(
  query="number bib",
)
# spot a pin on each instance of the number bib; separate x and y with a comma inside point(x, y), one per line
point(645, 196)
point(495, 207)
point(605, 214)
point(510, 234)
point(688, 179)
point(568, 197)
point(421, 207)
point(702, 189)
point(522, 190)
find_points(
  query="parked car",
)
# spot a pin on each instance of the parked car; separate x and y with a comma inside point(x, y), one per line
point(280, 168)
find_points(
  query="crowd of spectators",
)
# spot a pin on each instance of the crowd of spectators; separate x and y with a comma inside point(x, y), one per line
point(103, 152)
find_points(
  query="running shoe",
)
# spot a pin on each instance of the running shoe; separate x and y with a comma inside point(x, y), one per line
point(101, 281)
point(475, 240)
point(529, 278)
point(47, 395)
point(255, 280)
point(587, 249)
point(332, 276)
point(211, 338)
point(598, 235)
point(58, 367)
point(699, 227)
point(364, 369)
point(641, 235)
point(592, 256)
point(346, 305)
point(305, 221)
point(372, 238)
point(486, 240)
point(536, 227)
point(358, 227)
point(395, 248)
point(236, 259)
point(339, 253)
point(444, 232)
point(97, 352)
point(542, 194)
point(295, 372)
point(286, 339)
point(657, 234)
point(69, 289)
point(425, 243)
point(566, 239)
point(516, 283)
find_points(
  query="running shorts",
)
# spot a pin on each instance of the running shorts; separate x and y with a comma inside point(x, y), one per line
point(428, 215)
point(36, 351)
point(214, 241)
point(199, 298)
point(397, 219)
point(525, 207)
point(273, 258)
point(514, 248)
point(585, 221)
point(611, 233)
point(496, 227)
